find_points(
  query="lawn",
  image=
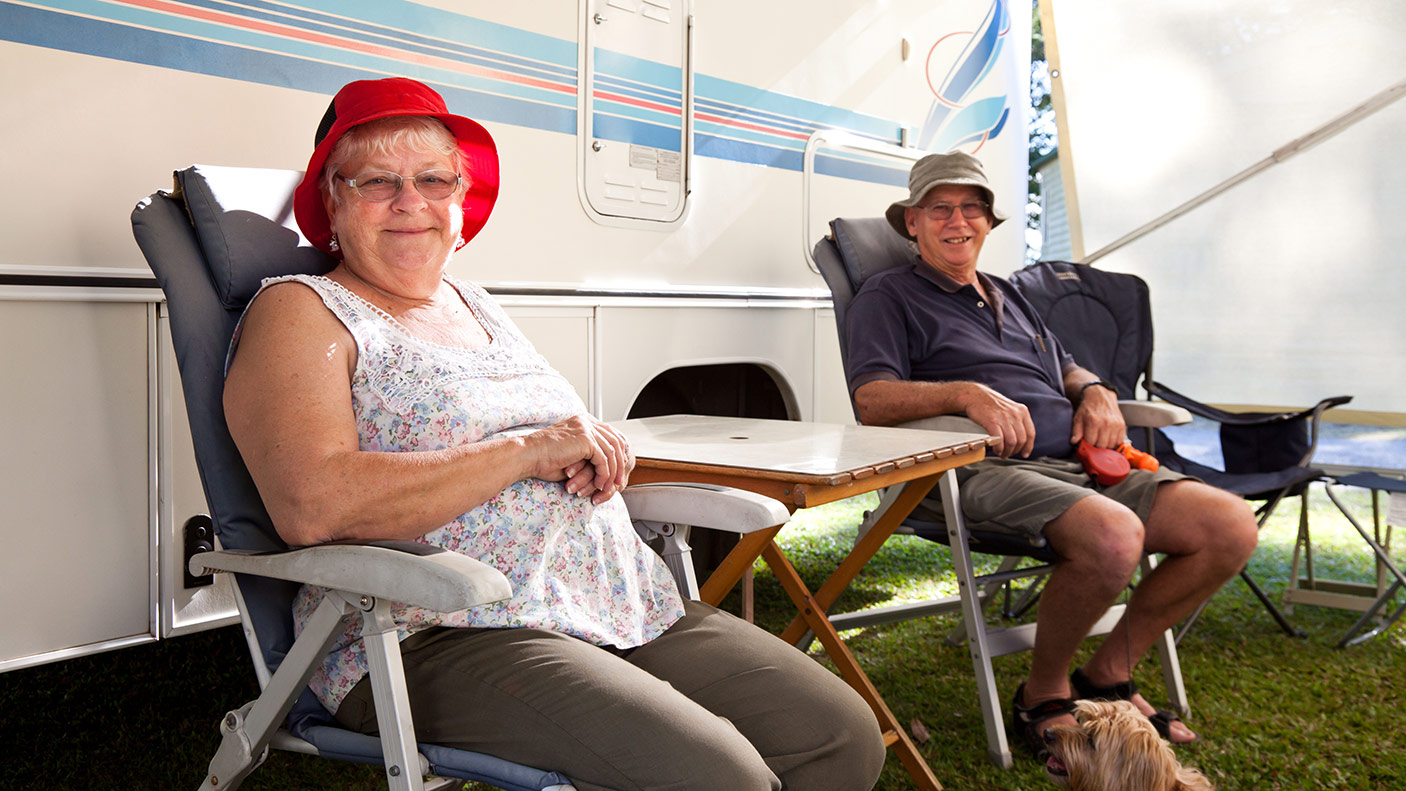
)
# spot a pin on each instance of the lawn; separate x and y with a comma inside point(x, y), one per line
point(1275, 712)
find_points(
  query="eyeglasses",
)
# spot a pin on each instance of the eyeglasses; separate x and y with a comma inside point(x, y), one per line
point(379, 186)
point(943, 211)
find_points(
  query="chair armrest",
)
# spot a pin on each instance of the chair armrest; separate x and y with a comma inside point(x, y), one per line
point(1140, 414)
point(1240, 418)
point(1169, 395)
point(960, 424)
point(1150, 414)
point(401, 571)
point(704, 505)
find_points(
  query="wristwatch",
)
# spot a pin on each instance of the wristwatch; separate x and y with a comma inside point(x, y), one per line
point(1100, 383)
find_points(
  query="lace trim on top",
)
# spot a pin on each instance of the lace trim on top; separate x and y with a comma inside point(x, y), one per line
point(431, 366)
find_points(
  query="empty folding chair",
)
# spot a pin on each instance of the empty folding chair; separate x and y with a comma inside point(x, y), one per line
point(1105, 320)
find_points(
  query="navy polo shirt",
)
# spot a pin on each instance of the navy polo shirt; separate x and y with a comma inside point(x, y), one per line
point(916, 324)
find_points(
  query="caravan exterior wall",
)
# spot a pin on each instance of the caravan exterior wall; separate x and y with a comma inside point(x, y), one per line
point(648, 237)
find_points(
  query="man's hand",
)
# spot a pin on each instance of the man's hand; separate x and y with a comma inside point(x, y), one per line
point(1098, 420)
point(1007, 420)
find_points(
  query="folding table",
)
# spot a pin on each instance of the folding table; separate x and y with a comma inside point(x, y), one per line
point(1370, 598)
point(804, 465)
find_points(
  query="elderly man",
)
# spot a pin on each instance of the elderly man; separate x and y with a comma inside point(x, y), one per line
point(942, 338)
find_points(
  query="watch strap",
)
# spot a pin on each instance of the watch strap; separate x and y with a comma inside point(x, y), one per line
point(1099, 383)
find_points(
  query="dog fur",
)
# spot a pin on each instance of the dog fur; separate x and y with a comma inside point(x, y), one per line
point(1115, 748)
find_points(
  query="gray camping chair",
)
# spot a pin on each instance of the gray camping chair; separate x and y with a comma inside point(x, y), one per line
point(855, 250)
point(210, 241)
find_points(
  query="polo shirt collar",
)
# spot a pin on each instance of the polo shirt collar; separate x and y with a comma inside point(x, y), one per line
point(951, 286)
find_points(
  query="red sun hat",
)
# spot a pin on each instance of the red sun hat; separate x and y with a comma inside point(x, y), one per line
point(370, 100)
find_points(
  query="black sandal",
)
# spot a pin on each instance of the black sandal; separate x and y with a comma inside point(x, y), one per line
point(1161, 720)
point(1025, 720)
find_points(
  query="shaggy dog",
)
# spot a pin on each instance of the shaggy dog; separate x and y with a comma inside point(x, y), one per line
point(1115, 748)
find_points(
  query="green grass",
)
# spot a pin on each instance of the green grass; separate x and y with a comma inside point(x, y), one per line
point(1275, 712)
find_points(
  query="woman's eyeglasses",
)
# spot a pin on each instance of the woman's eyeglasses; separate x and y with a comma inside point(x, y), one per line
point(943, 211)
point(379, 186)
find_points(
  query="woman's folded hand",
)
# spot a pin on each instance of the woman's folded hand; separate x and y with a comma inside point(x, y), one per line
point(591, 457)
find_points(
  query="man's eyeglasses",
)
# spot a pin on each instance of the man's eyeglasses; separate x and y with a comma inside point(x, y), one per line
point(379, 186)
point(943, 211)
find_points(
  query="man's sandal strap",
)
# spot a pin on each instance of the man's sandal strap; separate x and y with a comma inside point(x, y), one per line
point(1162, 720)
point(1088, 690)
point(1025, 720)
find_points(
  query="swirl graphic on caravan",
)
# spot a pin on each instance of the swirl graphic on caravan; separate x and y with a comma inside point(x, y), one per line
point(967, 110)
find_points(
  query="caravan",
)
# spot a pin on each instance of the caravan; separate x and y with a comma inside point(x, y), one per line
point(667, 166)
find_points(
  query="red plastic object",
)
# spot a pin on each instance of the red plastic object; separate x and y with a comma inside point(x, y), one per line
point(1139, 459)
point(1108, 467)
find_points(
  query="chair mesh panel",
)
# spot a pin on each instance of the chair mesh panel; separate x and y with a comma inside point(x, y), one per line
point(1104, 319)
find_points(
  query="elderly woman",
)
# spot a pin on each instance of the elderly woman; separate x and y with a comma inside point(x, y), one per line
point(388, 401)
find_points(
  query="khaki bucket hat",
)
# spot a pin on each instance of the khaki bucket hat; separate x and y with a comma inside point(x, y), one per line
point(936, 170)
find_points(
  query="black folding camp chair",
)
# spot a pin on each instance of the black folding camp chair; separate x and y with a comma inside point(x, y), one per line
point(855, 250)
point(210, 241)
point(1104, 319)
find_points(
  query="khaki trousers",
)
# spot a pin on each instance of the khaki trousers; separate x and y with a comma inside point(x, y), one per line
point(713, 703)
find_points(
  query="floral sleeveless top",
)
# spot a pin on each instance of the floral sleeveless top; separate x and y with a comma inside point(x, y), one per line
point(575, 568)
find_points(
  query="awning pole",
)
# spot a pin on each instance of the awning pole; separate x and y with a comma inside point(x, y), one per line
point(1280, 154)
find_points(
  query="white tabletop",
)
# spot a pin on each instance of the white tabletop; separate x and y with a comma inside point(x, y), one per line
point(786, 446)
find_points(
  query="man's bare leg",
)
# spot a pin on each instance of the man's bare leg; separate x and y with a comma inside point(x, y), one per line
point(1208, 535)
point(1099, 543)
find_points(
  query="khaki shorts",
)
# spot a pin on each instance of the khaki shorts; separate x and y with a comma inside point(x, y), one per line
point(1023, 495)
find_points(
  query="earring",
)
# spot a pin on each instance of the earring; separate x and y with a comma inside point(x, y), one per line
point(332, 244)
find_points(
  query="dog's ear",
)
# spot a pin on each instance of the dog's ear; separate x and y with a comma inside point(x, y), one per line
point(1189, 779)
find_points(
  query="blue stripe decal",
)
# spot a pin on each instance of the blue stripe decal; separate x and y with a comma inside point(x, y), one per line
point(974, 63)
point(972, 123)
point(486, 70)
point(203, 57)
point(671, 120)
point(967, 72)
point(792, 108)
point(858, 171)
point(403, 16)
point(639, 70)
point(751, 153)
point(628, 130)
point(732, 111)
point(647, 92)
point(412, 42)
point(373, 63)
point(722, 130)
point(742, 151)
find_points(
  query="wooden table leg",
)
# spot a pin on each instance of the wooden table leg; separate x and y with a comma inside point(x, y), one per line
point(749, 598)
point(738, 561)
point(854, 562)
point(894, 735)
